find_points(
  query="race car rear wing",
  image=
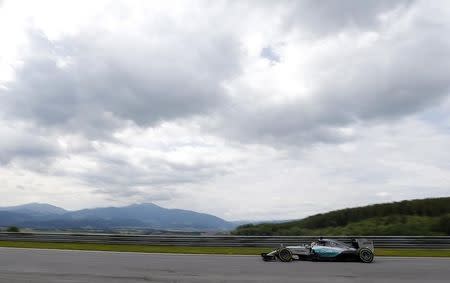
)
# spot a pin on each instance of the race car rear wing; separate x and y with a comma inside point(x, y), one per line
point(362, 243)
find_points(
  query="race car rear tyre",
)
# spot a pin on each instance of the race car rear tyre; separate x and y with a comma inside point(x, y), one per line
point(365, 255)
point(285, 255)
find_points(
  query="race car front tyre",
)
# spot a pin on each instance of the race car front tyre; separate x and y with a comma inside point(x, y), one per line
point(285, 255)
point(365, 255)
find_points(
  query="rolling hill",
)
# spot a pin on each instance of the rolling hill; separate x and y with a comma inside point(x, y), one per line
point(35, 208)
point(143, 216)
point(412, 217)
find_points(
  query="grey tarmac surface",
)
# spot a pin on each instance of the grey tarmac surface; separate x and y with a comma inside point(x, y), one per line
point(34, 265)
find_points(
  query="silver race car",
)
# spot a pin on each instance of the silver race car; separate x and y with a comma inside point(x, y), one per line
point(325, 250)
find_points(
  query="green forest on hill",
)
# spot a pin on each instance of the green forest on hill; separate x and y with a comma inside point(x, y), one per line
point(425, 217)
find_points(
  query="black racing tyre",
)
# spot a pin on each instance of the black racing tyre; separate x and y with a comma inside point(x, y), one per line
point(365, 255)
point(285, 255)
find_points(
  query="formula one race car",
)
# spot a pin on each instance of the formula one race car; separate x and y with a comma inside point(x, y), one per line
point(325, 250)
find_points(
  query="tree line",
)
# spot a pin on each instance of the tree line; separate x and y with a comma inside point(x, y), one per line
point(424, 216)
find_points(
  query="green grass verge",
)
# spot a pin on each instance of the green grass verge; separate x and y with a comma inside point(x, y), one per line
point(135, 248)
point(200, 250)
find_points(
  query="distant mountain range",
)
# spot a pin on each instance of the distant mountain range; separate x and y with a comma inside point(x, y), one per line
point(141, 216)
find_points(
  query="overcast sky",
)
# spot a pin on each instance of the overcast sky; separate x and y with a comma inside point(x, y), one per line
point(243, 109)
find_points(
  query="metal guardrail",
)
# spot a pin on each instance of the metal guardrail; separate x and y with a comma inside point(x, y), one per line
point(428, 242)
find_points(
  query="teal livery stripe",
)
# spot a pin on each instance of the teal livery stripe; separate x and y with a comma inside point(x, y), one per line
point(326, 252)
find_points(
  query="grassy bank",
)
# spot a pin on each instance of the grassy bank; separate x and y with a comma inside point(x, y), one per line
point(201, 250)
point(135, 248)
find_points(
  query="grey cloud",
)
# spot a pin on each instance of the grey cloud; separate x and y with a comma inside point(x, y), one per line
point(398, 76)
point(110, 79)
point(93, 85)
point(104, 88)
point(156, 194)
point(326, 17)
point(119, 176)
point(25, 145)
point(412, 79)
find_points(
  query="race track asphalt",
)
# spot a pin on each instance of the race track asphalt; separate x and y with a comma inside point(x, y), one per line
point(34, 265)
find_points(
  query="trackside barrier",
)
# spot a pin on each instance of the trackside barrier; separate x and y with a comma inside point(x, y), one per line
point(428, 242)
